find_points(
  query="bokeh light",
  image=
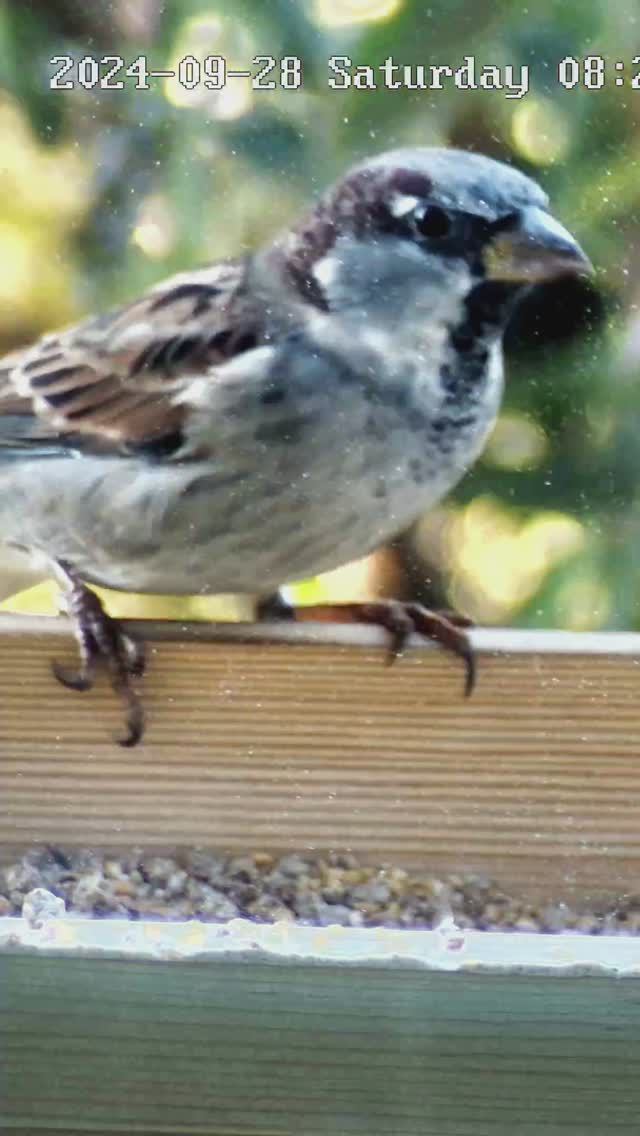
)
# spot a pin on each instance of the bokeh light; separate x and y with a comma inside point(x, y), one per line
point(498, 560)
point(540, 131)
point(516, 442)
point(345, 13)
point(223, 37)
point(155, 229)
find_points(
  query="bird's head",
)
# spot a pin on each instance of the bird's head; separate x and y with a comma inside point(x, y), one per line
point(438, 218)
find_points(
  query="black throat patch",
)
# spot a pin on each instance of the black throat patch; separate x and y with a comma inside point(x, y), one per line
point(486, 312)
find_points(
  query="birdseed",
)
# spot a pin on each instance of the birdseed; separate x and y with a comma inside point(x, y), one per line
point(311, 889)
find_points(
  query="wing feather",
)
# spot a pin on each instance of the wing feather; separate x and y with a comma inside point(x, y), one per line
point(116, 380)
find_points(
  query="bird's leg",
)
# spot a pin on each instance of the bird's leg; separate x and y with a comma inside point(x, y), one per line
point(101, 639)
point(274, 607)
point(400, 620)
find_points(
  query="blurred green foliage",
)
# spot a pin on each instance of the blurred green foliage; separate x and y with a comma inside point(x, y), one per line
point(104, 192)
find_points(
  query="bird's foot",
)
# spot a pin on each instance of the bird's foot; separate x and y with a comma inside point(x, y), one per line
point(101, 639)
point(400, 620)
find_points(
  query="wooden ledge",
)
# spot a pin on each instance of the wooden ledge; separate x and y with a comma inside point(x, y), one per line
point(487, 641)
point(293, 737)
point(111, 1027)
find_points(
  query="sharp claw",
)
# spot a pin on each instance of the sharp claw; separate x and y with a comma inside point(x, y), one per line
point(101, 639)
point(73, 680)
point(450, 634)
point(134, 721)
point(471, 670)
point(397, 644)
point(400, 620)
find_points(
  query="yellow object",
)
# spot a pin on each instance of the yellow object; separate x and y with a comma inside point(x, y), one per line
point(342, 13)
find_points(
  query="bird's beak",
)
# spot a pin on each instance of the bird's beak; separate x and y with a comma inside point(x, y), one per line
point(535, 249)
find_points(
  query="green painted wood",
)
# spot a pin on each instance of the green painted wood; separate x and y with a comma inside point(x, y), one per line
point(228, 1048)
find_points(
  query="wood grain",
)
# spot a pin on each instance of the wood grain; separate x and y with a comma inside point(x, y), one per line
point(311, 744)
point(277, 1049)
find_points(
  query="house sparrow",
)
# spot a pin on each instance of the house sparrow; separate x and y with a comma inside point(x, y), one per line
point(272, 417)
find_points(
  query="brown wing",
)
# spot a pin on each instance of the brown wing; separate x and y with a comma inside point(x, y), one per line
point(118, 377)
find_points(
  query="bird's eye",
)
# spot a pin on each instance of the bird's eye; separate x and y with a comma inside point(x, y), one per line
point(434, 223)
